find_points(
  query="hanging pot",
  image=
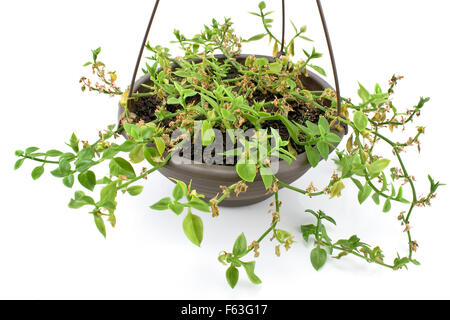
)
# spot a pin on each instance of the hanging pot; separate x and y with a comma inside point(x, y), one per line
point(207, 178)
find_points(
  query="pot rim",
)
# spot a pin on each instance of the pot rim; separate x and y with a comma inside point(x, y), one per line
point(228, 172)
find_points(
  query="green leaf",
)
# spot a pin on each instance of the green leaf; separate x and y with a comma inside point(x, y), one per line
point(330, 219)
point(282, 235)
point(376, 198)
point(111, 206)
point(119, 166)
point(358, 184)
point(227, 115)
point(232, 276)
point(319, 70)
point(315, 55)
point(88, 180)
point(257, 37)
point(313, 128)
point(182, 185)
point(76, 204)
point(306, 38)
point(178, 192)
point(64, 167)
point(176, 207)
point(324, 125)
point(306, 53)
point(74, 142)
point(193, 228)
point(323, 148)
point(267, 176)
point(364, 193)
point(189, 93)
point(30, 150)
point(183, 73)
point(178, 87)
point(384, 187)
point(173, 100)
point(108, 193)
point(318, 257)
point(336, 189)
point(378, 89)
point(247, 171)
point(250, 270)
point(240, 246)
point(255, 14)
point(53, 153)
point(208, 134)
point(378, 166)
point(61, 171)
point(104, 180)
point(387, 206)
point(198, 204)
point(422, 103)
point(86, 154)
point(18, 163)
point(83, 165)
point(112, 219)
point(333, 138)
point(400, 263)
point(434, 185)
point(137, 154)
point(162, 204)
point(276, 67)
point(363, 93)
point(350, 244)
point(313, 155)
point(262, 5)
point(361, 121)
point(152, 155)
point(400, 196)
point(132, 130)
point(68, 156)
point(415, 262)
point(100, 224)
point(95, 53)
point(400, 193)
point(261, 61)
point(135, 190)
point(80, 200)
point(127, 146)
point(160, 145)
point(307, 231)
point(294, 132)
point(37, 172)
point(211, 101)
point(68, 181)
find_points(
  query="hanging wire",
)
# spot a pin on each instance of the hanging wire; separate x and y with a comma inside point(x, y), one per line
point(333, 61)
point(283, 29)
point(138, 62)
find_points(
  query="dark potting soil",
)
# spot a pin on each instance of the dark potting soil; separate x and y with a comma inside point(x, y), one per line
point(145, 107)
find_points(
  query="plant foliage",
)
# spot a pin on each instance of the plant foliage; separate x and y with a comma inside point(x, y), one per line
point(221, 93)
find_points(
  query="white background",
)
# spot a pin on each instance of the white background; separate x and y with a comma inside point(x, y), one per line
point(50, 251)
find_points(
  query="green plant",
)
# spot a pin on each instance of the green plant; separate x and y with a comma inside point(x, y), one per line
point(199, 92)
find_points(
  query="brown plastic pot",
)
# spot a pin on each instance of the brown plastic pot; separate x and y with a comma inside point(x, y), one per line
point(207, 179)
